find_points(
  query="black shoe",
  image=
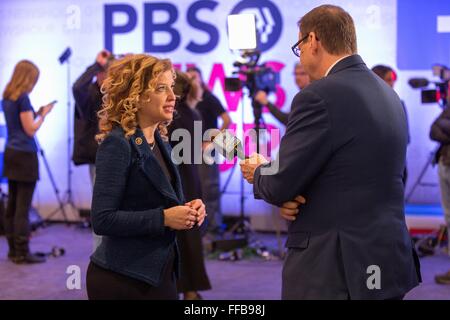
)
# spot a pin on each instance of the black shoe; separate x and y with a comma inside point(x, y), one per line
point(12, 249)
point(23, 254)
point(443, 278)
point(29, 258)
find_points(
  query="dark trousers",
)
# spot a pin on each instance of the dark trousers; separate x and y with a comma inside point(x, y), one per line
point(193, 276)
point(104, 284)
point(210, 181)
point(20, 196)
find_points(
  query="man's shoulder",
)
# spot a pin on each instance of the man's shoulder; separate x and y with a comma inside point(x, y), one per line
point(332, 81)
point(336, 85)
point(313, 92)
point(327, 92)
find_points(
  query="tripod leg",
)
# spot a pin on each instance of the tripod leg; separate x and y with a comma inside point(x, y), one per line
point(55, 188)
point(241, 221)
point(419, 178)
point(227, 182)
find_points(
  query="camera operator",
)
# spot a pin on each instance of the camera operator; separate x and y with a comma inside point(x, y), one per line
point(440, 132)
point(301, 80)
point(88, 100)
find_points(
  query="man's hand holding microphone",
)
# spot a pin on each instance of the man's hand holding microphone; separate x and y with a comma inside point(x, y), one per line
point(230, 146)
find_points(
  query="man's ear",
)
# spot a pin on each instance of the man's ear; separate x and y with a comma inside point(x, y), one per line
point(314, 43)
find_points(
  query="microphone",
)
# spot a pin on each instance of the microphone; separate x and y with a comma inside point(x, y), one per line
point(418, 83)
point(228, 145)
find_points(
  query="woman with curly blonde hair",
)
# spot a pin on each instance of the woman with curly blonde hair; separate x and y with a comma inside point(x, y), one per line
point(138, 200)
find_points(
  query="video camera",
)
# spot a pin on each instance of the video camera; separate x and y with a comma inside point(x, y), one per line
point(440, 93)
point(257, 77)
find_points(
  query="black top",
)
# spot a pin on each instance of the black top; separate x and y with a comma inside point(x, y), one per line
point(17, 138)
point(88, 101)
point(210, 108)
point(185, 119)
point(161, 161)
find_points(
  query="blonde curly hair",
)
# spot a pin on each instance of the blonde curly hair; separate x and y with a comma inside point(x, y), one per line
point(126, 81)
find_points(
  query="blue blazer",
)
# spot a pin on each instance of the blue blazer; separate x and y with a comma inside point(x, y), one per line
point(344, 150)
point(130, 194)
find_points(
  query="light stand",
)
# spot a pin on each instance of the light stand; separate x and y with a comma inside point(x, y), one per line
point(55, 187)
point(68, 198)
point(242, 224)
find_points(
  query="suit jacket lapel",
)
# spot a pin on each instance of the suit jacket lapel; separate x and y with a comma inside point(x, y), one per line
point(150, 165)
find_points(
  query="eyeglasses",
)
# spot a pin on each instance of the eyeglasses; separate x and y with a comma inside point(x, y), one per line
point(295, 49)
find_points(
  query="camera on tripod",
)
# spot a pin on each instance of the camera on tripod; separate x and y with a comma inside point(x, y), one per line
point(253, 76)
point(439, 94)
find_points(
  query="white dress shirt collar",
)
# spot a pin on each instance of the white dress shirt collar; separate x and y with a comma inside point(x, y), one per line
point(335, 63)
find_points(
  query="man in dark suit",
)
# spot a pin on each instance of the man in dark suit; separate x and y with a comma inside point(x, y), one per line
point(344, 152)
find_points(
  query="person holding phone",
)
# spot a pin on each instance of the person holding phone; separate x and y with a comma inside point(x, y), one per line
point(21, 165)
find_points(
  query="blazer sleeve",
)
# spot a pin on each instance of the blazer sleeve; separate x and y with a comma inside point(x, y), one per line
point(304, 150)
point(112, 165)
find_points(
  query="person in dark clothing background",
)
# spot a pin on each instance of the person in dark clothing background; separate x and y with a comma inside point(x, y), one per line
point(210, 109)
point(88, 101)
point(21, 165)
point(193, 276)
point(440, 132)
